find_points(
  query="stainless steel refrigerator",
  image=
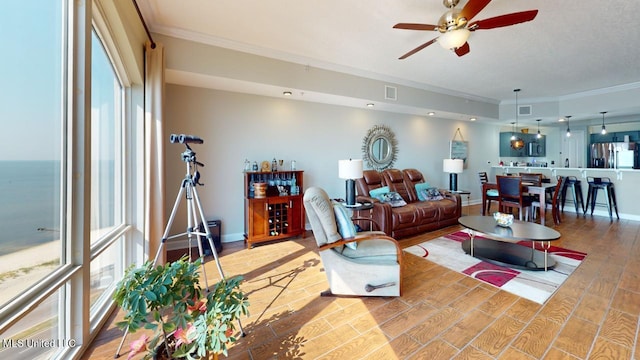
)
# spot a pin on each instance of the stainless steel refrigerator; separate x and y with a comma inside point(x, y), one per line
point(618, 155)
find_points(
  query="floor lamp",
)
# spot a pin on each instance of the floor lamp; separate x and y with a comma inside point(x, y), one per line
point(453, 167)
point(350, 170)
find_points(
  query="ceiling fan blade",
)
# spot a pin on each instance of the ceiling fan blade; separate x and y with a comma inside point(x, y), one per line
point(504, 20)
point(417, 49)
point(472, 8)
point(463, 50)
point(411, 26)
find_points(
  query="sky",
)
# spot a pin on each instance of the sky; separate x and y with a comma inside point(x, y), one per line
point(30, 69)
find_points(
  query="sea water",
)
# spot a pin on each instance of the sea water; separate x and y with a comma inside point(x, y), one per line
point(29, 204)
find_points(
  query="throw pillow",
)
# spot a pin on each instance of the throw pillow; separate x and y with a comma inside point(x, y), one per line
point(377, 193)
point(419, 190)
point(393, 198)
point(346, 228)
point(492, 192)
point(431, 194)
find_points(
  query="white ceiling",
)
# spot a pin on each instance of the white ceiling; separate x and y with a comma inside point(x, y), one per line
point(573, 46)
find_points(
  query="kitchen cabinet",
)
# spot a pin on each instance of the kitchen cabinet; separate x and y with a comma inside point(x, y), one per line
point(505, 146)
point(533, 147)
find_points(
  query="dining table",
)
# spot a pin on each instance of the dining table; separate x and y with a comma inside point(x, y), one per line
point(528, 188)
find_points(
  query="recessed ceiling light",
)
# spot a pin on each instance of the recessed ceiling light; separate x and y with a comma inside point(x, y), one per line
point(473, 119)
point(370, 105)
point(286, 93)
point(431, 113)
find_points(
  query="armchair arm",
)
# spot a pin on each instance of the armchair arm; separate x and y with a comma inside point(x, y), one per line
point(370, 220)
point(364, 237)
point(366, 199)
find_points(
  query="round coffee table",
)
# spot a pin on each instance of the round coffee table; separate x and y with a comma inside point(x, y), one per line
point(499, 246)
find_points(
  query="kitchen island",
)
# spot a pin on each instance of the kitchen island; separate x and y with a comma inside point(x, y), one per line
point(626, 182)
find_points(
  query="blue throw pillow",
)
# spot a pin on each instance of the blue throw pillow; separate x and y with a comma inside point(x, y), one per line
point(346, 228)
point(379, 192)
point(431, 194)
point(393, 198)
point(419, 190)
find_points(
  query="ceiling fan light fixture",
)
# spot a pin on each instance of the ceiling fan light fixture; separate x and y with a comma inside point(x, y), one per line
point(454, 39)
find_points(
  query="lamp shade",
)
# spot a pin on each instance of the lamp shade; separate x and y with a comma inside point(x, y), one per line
point(350, 169)
point(453, 166)
point(454, 39)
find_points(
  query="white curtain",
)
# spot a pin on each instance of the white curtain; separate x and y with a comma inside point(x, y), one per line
point(154, 214)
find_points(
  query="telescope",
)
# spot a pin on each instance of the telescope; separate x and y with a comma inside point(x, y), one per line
point(185, 139)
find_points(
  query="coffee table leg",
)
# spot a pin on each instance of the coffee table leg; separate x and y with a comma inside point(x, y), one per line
point(472, 235)
point(545, 245)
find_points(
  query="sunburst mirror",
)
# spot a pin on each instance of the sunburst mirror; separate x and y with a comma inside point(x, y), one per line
point(380, 148)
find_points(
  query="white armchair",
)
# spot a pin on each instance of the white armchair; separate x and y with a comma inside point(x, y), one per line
point(373, 268)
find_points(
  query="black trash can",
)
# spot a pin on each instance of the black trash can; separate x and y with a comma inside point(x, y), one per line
point(215, 229)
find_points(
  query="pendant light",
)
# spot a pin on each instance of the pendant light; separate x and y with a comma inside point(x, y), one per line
point(568, 130)
point(513, 135)
point(516, 91)
point(604, 129)
point(539, 135)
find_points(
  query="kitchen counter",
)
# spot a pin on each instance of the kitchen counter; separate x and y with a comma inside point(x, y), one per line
point(625, 181)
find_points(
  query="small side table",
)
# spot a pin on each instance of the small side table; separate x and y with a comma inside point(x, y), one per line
point(463, 192)
point(358, 211)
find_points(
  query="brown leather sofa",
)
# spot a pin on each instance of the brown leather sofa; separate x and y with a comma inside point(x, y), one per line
point(417, 216)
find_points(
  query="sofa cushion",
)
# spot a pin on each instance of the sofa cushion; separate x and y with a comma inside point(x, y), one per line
point(392, 198)
point(346, 228)
point(377, 193)
point(420, 187)
point(373, 248)
point(431, 194)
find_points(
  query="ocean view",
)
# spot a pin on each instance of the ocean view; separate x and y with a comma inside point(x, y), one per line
point(29, 204)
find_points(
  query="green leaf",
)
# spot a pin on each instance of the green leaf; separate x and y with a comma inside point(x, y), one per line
point(150, 296)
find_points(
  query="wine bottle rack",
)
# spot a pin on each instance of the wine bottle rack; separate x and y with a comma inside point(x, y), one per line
point(278, 212)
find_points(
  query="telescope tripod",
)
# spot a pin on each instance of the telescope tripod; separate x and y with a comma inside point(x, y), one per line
point(194, 212)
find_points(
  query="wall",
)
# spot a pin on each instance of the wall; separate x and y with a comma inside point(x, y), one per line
point(236, 126)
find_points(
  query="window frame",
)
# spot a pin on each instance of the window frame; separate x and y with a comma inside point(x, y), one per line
point(77, 319)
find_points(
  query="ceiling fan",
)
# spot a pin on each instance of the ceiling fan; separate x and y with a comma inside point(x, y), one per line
point(455, 25)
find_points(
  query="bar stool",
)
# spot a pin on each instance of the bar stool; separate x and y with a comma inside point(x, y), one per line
point(605, 184)
point(576, 190)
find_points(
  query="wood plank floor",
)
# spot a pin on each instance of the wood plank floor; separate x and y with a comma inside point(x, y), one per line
point(441, 314)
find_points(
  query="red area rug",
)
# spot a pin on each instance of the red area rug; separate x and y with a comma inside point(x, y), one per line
point(536, 286)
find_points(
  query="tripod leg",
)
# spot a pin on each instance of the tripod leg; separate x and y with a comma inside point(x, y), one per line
point(192, 217)
point(165, 235)
point(196, 198)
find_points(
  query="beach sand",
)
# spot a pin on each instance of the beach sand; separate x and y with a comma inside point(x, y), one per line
point(29, 259)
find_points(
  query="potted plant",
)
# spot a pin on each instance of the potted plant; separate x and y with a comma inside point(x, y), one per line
point(185, 321)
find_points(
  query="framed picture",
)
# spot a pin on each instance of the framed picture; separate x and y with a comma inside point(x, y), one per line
point(459, 150)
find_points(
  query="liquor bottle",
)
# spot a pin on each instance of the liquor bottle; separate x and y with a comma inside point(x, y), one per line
point(252, 190)
point(274, 165)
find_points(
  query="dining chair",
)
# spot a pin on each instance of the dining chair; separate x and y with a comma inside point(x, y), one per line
point(556, 198)
point(510, 196)
point(535, 179)
point(492, 194)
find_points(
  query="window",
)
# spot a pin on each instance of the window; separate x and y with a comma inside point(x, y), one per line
point(31, 119)
point(64, 214)
point(106, 169)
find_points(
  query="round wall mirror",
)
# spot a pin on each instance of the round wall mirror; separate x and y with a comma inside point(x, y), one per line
point(379, 147)
point(517, 144)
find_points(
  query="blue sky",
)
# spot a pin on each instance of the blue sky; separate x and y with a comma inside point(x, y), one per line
point(30, 69)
